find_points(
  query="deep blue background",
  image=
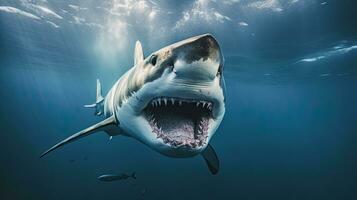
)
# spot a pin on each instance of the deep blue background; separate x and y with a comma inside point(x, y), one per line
point(290, 130)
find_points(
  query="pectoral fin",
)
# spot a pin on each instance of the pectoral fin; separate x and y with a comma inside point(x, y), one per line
point(211, 159)
point(106, 124)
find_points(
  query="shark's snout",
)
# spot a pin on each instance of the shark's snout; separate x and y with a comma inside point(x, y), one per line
point(198, 58)
point(200, 48)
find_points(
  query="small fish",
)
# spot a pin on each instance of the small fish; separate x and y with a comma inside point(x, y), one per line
point(115, 177)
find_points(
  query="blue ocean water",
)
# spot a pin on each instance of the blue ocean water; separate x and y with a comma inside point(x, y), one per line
point(290, 127)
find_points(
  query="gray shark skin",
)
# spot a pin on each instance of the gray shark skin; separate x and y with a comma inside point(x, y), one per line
point(172, 101)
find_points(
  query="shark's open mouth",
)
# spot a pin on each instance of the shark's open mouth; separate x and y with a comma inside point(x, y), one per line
point(180, 122)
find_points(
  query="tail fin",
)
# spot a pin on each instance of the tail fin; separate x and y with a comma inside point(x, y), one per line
point(133, 175)
point(98, 105)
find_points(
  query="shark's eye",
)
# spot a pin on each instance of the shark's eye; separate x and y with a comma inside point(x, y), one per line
point(153, 59)
point(219, 72)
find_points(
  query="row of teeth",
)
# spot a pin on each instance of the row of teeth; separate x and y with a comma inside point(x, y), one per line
point(166, 101)
point(203, 127)
point(188, 142)
point(198, 141)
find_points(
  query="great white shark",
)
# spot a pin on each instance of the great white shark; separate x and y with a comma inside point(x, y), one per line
point(172, 101)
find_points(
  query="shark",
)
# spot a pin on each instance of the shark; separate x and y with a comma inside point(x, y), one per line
point(172, 101)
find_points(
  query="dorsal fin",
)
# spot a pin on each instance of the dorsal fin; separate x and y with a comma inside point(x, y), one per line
point(138, 53)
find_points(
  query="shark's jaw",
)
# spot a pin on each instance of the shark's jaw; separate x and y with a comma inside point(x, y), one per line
point(176, 117)
point(180, 122)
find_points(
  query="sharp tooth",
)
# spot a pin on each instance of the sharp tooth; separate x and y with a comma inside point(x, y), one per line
point(159, 100)
point(165, 100)
point(180, 103)
point(172, 101)
point(204, 103)
point(198, 103)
